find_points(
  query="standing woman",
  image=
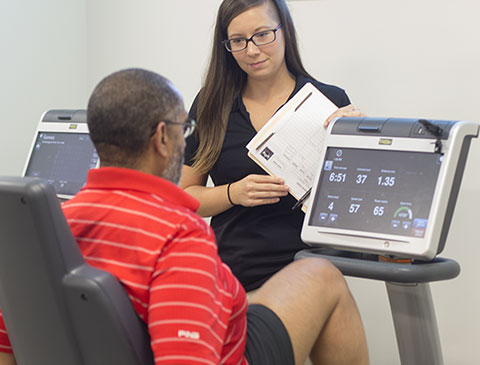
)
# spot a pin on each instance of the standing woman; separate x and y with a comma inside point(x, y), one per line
point(255, 68)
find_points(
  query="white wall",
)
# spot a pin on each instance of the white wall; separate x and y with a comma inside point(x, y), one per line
point(42, 66)
point(398, 58)
point(169, 37)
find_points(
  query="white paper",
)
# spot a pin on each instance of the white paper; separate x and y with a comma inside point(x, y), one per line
point(289, 145)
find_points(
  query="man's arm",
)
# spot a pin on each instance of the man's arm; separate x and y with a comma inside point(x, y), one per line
point(7, 359)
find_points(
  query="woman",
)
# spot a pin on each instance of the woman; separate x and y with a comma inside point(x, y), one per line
point(255, 68)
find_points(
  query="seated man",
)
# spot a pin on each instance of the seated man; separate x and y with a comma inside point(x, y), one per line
point(133, 221)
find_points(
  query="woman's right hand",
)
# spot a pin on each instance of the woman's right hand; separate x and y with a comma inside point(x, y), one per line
point(254, 190)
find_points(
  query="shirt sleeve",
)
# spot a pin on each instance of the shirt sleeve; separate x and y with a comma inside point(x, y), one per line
point(5, 345)
point(337, 95)
point(344, 100)
point(189, 306)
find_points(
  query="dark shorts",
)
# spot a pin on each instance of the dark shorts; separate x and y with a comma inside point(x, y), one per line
point(268, 342)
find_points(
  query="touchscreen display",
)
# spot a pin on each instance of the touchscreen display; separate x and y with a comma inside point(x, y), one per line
point(63, 159)
point(376, 191)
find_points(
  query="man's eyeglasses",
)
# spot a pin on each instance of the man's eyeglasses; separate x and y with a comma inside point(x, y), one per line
point(188, 127)
point(258, 39)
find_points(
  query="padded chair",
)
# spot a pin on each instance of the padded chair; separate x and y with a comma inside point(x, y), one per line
point(57, 309)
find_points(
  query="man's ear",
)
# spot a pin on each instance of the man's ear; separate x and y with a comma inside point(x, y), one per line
point(160, 140)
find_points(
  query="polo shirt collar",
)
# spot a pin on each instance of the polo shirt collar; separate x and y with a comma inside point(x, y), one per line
point(116, 178)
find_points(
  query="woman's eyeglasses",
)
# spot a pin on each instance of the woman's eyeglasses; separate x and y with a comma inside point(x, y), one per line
point(258, 39)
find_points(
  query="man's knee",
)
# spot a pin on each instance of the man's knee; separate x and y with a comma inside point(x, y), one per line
point(318, 268)
point(321, 274)
point(308, 279)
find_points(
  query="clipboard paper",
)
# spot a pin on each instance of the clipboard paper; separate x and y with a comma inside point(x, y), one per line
point(290, 143)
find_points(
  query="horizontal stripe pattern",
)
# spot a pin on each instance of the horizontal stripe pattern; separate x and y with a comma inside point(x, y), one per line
point(183, 360)
point(4, 341)
point(166, 258)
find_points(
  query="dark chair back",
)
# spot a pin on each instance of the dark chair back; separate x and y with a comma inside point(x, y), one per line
point(58, 309)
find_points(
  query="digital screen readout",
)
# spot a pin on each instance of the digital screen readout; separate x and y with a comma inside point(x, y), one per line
point(376, 191)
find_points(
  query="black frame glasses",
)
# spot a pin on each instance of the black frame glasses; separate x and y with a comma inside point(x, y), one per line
point(188, 127)
point(228, 43)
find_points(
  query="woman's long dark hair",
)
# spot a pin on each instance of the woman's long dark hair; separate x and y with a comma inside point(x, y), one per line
point(225, 80)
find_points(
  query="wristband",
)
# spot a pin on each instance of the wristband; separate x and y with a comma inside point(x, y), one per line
point(228, 195)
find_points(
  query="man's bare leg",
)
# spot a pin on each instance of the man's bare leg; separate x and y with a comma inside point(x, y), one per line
point(314, 303)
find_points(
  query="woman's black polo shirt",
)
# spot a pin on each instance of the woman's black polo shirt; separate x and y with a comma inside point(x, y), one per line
point(255, 242)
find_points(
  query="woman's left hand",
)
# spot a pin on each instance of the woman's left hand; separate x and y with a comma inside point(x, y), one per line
point(346, 111)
